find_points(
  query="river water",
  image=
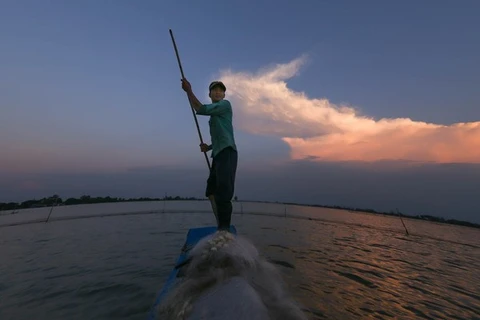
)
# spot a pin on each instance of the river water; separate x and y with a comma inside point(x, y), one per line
point(337, 264)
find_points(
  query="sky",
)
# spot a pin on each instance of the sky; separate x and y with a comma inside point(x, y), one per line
point(370, 104)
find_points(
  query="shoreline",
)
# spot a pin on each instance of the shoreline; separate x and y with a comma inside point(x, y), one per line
point(57, 201)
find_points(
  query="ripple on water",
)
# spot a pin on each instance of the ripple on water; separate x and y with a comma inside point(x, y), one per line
point(357, 278)
point(105, 289)
point(282, 263)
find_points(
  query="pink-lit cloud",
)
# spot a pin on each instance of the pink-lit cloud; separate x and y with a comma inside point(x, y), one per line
point(317, 128)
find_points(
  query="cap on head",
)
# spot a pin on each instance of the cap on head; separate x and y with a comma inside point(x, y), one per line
point(215, 84)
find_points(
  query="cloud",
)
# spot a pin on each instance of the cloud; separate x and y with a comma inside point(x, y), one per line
point(318, 129)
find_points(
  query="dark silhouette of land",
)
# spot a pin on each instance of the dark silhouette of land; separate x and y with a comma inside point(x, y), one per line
point(55, 200)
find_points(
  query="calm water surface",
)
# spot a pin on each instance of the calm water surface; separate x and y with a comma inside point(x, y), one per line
point(341, 266)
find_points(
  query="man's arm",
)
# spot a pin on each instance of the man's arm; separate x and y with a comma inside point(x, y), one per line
point(214, 109)
point(194, 102)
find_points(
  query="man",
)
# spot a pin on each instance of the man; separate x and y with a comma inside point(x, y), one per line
point(221, 180)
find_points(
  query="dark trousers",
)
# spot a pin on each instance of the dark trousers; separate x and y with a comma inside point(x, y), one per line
point(221, 183)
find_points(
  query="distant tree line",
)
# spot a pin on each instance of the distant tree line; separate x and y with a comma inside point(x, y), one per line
point(56, 200)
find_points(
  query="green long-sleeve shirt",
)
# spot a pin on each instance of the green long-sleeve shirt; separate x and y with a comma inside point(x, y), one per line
point(221, 127)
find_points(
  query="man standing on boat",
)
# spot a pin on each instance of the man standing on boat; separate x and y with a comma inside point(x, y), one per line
point(221, 180)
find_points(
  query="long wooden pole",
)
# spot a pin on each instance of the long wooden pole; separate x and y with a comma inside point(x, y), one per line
point(51, 209)
point(211, 197)
point(400, 215)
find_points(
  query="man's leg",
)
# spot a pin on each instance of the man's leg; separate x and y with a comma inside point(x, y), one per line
point(226, 168)
point(211, 181)
point(210, 190)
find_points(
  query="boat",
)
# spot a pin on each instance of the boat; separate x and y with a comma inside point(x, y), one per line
point(194, 235)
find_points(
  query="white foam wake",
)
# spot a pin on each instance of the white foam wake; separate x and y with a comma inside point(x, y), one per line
point(228, 279)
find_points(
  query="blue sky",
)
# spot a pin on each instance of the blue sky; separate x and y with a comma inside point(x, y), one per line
point(94, 87)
